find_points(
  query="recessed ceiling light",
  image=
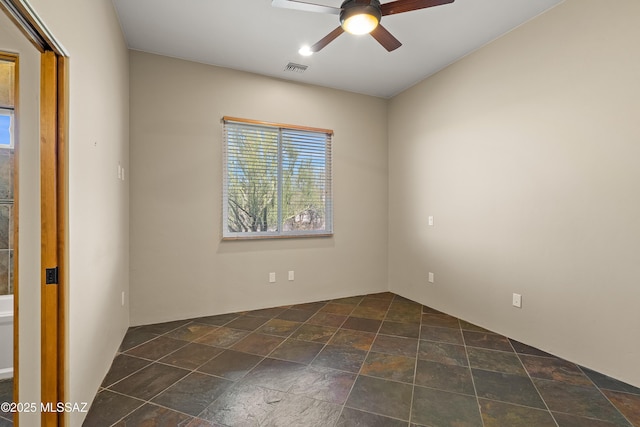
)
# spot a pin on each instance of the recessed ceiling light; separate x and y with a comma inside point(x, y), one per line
point(305, 51)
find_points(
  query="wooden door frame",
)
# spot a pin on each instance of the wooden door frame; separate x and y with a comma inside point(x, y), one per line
point(53, 202)
point(53, 73)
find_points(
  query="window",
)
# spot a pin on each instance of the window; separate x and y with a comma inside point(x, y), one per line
point(6, 128)
point(277, 180)
point(7, 101)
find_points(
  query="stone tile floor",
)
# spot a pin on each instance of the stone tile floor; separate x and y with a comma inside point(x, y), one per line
point(6, 395)
point(374, 360)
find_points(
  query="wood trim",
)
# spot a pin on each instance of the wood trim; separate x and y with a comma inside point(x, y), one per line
point(20, 27)
point(6, 56)
point(276, 125)
point(49, 235)
point(62, 198)
point(31, 26)
point(16, 216)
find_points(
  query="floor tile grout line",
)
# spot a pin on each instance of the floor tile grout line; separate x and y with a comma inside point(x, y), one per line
point(285, 338)
point(152, 361)
point(143, 402)
point(365, 359)
point(630, 424)
point(589, 378)
point(605, 396)
point(263, 357)
point(415, 365)
point(132, 373)
point(533, 383)
point(473, 381)
point(325, 346)
point(149, 402)
point(186, 343)
point(335, 332)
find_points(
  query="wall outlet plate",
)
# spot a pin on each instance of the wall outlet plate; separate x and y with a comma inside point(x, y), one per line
point(431, 277)
point(272, 277)
point(517, 300)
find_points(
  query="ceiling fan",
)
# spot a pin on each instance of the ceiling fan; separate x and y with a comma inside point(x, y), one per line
point(361, 17)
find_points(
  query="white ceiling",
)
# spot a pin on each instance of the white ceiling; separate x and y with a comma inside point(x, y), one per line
point(251, 35)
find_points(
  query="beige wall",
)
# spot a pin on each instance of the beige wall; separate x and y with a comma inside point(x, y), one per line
point(526, 154)
point(12, 40)
point(98, 201)
point(179, 266)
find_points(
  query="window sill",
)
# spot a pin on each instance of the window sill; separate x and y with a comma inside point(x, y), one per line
point(292, 236)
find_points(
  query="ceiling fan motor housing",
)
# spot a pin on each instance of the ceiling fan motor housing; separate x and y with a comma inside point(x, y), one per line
point(357, 7)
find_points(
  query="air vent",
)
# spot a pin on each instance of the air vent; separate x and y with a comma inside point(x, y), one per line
point(296, 68)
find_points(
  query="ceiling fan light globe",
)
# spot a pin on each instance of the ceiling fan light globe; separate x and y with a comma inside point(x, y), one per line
point(362, 23)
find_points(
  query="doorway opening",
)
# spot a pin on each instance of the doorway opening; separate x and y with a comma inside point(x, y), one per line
point(8, 90)
point(51, 125)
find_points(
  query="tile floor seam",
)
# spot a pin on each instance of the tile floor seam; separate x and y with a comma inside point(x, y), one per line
point(344, 405)
point(607, 397)
point(124, 378)
point(187, 322)
point(150, 402)
point(415, 365)
point(588, 417)
point(199, 366)
point(138, 345)
point(375, 413)
point(324, 345)
point(128, 413)
point(210, 375)
point(164, 389)
point(165, 355)
point(154, 404)
point(533, 382)
point(473, 381)
point(274, 349)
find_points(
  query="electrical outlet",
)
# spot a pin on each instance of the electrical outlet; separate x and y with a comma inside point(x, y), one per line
point(431, 278)
point(123, 298)
point(517, 300)
point(430, 219)
point(291, 275)
point(272, 277)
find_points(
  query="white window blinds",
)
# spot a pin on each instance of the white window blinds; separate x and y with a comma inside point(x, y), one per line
point(277, 180)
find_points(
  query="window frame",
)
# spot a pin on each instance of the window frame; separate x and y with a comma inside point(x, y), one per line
point(278, 234)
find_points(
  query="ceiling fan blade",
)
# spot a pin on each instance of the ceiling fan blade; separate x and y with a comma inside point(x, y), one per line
point(385, 38)
point(326, 39)
point(307, 7)
point(401, 6)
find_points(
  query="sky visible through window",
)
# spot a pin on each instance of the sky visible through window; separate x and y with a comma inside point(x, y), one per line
point(5, 129)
